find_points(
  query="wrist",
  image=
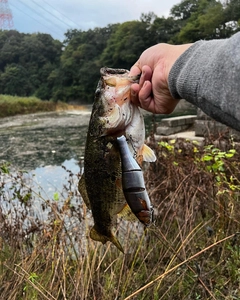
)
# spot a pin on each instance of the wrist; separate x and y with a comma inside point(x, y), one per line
point(175, 55)
point(175, 52)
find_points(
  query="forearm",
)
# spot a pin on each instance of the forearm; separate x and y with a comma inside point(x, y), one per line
point(208, 75)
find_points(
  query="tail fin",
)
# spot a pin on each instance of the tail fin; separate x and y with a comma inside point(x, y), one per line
point(96, 236)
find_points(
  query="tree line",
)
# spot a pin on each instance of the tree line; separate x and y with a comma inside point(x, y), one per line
point(36, 64)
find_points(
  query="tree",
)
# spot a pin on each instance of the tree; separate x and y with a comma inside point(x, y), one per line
point(231, 16)
point(30, 57)
point(205, 21)
point(232, 10)
point(15, 81)
point(78, 72)
point(165, 30)
point(9, 46)
point(127, 43)
point(184, 10)
point(36, 64)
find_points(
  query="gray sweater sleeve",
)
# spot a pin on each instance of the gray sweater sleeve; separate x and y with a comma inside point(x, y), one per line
point(208, 76)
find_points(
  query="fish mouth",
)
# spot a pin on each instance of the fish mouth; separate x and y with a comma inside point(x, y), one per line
point(105, 71)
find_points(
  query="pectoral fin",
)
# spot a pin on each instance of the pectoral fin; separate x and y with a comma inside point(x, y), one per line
point(147, 154)
point(96, 236)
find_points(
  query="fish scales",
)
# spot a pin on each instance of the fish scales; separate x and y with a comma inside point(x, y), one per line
point(102, 171)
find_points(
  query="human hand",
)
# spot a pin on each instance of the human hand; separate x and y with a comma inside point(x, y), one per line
point(152, 92)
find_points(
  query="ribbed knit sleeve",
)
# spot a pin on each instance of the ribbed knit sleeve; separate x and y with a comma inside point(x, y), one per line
point(208, 76)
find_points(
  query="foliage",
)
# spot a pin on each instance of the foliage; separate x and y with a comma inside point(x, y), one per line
point(126, 44)
point(37, 65)
point(78, 73)
point(205, 19)
point(204, 25)
point(26, 61)
point(190, 252)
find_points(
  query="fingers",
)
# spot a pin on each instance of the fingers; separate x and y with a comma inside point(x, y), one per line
point(145, 76)
point(134, 93)
point(145, 96)
point(141, 93)
point(145, 91)
point(135, 70)
point(142, 96)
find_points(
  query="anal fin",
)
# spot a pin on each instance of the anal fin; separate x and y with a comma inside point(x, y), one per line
point(127, 214)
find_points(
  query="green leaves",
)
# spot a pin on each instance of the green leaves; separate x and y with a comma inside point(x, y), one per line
point(217, 163)
point(167, 145)
point(56, 196)
point(5, 168)
point(208, 159)
point(216, 157)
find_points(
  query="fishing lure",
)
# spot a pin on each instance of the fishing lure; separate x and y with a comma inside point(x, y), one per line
point(133, 185)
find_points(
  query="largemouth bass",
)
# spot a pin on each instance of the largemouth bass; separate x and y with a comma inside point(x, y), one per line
point(113, 115)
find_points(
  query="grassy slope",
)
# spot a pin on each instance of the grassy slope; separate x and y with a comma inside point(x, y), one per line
point(13, 105)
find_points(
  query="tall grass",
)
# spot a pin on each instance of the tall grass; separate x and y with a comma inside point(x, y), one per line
point(13, 105)
point(192, 251)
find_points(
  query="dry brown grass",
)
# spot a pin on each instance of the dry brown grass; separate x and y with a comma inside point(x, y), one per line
point(192, 251)
point(14, 105)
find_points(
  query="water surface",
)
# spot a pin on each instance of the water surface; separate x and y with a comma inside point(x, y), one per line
point(40, 140)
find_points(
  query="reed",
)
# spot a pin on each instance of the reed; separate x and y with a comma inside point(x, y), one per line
point(14, 105)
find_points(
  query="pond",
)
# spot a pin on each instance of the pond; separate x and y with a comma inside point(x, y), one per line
point(42, 143)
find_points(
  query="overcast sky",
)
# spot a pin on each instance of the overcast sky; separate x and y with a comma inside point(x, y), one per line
point(57, 16)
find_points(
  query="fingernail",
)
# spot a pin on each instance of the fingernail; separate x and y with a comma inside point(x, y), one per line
point(144, 84)
point(133, 93)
